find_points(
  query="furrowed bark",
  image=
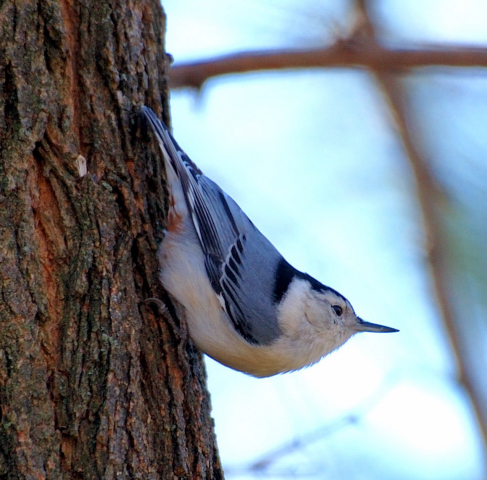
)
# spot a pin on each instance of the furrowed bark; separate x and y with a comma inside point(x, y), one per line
point(93, 383)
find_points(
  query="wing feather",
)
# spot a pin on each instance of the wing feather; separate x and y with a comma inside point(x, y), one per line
point(240, 262)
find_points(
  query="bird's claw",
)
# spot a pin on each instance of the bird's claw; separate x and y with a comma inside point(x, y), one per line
point(161, 306)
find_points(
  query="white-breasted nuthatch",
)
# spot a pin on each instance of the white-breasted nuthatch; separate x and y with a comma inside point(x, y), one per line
point(246, 306)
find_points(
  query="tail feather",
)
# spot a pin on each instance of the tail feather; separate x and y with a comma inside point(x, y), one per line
point(170, 148)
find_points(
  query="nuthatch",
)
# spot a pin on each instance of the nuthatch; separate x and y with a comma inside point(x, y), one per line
point(246, 306)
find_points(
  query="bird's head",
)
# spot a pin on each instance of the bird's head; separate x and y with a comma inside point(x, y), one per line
point(320, 316)
point(328, 310)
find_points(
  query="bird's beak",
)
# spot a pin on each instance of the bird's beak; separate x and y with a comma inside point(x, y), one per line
point(363, 326)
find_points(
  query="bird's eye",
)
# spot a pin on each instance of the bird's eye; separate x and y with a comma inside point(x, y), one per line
point(338, 310)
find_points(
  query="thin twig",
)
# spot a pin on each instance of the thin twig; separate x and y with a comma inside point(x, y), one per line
point(350, 53)
point(264, 463)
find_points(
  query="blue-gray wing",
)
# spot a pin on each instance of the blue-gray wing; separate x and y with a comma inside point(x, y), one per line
point(240, 262)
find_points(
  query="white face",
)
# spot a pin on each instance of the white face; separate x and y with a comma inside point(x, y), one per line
point(327, 310)
point(315, 321)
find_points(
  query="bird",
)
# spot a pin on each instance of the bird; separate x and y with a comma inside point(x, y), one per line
point(245, 305)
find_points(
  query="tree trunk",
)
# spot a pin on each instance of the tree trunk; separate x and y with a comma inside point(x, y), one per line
point(93, 383)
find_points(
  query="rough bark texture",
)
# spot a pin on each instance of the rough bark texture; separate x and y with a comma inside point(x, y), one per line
point(93, 384)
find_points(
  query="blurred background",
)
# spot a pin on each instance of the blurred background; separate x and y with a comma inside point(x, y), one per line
point(376, 184)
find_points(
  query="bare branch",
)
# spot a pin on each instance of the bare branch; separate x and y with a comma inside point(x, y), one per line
point(432, 200)
point(351, 53)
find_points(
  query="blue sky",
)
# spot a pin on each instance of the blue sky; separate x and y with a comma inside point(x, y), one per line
point(312, 158)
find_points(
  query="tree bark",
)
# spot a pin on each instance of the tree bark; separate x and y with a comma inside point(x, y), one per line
point(93, 383)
